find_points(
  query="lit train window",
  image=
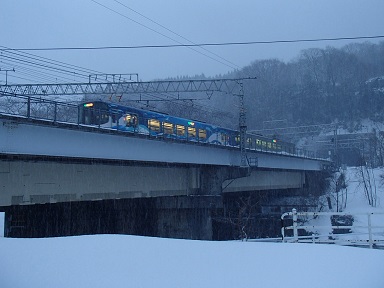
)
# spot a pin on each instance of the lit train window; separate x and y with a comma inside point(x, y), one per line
point(237, 139)
point(202, 134)
point(180, 130)
point(154, 125)
point(130, 120)
point(168, 128)
point(192, 132)
point(269, 144)
point(258, 142)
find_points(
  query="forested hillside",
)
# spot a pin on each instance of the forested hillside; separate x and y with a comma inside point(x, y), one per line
point(319, 86)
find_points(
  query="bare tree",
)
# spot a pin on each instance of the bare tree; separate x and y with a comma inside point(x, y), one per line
point(341, 188)
point(242, 215)
point(367, 180)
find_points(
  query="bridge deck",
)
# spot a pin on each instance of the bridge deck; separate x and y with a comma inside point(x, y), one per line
point(22, 136)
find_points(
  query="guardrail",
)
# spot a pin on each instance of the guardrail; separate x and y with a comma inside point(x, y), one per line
point(38, 108)
point(344, 233)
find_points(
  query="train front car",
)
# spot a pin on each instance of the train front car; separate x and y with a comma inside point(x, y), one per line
point(111, 116)
point(156, 124)
point(94, 113)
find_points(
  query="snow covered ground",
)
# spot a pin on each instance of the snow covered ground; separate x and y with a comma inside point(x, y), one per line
point(132, 261)
point(352, 200)
point(128, 261)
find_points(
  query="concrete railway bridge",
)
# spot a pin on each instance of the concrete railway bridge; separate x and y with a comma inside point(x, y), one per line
point(63, 177)
point(59, 178)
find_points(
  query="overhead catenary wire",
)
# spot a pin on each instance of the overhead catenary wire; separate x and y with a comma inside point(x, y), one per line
point(34, 75)
point(33, 68)
point(37, 68)
point(196, 45)
point(39, 62)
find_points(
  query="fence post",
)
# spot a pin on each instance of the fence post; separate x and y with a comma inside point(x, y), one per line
point(370, 231)
point(294, 218)
point(78, 115)
point(28, 107)
point(55, 113)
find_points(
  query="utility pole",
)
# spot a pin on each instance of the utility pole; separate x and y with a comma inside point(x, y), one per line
point(6, 74)
point(242, 127)
point(336, 153)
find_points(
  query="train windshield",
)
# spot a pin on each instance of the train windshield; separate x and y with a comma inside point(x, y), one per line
point(93, 113)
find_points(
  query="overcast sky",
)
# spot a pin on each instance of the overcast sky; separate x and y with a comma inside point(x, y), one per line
point(85, 23)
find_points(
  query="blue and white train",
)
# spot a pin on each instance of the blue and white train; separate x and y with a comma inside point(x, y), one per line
point(134, 120)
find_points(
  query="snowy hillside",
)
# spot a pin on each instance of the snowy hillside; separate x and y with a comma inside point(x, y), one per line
point(131, 261)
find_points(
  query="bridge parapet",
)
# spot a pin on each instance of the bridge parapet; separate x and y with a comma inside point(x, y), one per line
point(21, 136)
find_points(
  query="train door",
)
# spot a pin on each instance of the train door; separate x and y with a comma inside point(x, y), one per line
point(115, 117)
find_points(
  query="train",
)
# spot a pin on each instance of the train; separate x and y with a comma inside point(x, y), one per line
point(155, 124)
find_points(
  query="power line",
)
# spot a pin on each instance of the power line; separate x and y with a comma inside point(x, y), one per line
point(162, 34)
point(196, 45)
point(22, 56)
point(173, 32)
point(42, 68)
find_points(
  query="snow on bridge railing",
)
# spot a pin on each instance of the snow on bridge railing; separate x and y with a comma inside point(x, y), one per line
point(355, 229)
point(38, 108)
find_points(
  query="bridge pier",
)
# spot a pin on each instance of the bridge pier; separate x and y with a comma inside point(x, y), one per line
point(123, 216)
point(188, 217)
